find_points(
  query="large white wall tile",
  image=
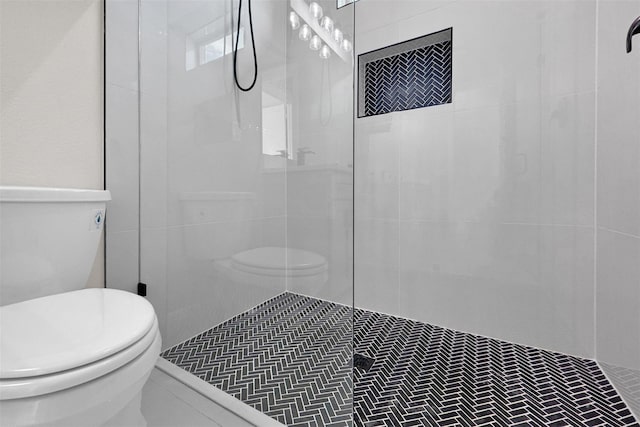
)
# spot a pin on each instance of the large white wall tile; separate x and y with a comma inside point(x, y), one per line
point(376, 172)
point(618, 120)
point(153, 47)
point(153, 160)
point(382, 13)
point(122, 158)
point(618, 299)
point(376, 265)
point(122, 260)
point(121, 32)
point(523, 283)
point(153, 260)
point(425, 159)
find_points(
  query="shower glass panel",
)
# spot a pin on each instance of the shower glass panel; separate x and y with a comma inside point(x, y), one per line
point(204, 197)
point(246, 197)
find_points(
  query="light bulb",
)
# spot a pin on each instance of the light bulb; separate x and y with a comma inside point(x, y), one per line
point(294, 20)
point(327, 24)
point(346, 45)
point(305, 33)
point(325, 52)
point(315, 10)
point(315, 43)
point(337, 35)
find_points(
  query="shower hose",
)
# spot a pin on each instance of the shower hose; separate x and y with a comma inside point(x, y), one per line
point(253, 46)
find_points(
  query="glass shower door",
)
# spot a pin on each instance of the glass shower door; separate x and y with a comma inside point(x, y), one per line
point(246, 198)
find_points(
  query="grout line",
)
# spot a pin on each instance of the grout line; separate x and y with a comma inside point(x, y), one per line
point(104, 133)
point(472, 222)
point(621, 233)
point(595, 189)
point(139, 142)
point(354, 113)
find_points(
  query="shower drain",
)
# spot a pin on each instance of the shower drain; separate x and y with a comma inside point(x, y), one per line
point(362, 362)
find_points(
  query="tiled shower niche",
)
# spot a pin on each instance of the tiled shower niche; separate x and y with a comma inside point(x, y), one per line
point(413, 74)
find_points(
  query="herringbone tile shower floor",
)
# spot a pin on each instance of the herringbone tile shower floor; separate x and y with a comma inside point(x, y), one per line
point(291, 357)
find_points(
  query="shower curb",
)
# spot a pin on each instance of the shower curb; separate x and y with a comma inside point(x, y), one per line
point(230, 403)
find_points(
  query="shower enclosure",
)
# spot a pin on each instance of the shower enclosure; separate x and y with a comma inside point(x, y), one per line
point(418, 205)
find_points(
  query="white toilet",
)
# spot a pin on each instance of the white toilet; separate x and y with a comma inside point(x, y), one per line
point(269, 266)
point(223, 234)
point(69, 356)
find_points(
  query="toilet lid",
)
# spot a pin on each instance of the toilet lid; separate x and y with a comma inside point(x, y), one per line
point(281, 259)
point(64, 331)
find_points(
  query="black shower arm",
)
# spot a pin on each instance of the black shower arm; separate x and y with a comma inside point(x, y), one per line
point(633, 30)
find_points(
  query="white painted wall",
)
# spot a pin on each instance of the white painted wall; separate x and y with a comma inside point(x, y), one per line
point(51, 96)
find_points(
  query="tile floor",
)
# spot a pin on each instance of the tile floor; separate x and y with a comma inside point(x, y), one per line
point(290, 358)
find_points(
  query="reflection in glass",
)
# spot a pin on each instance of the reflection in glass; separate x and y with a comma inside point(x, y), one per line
point(209, 43)
point(346, 45)
point(337, 35)
point(294, 20)
point(305, 33)
point(275, 116)
point(315, 43)
point(325, 52)
point(327, 24)
point(315, 10)
point(341, 3)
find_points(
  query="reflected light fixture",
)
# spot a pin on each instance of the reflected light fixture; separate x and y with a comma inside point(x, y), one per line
point(305, 33)
point(320, 31)
point(346, 45)
point(294, 20)
point(325, 52)
point(337, 35)
point(315, 10)
point(315, 43)
point(327, 24)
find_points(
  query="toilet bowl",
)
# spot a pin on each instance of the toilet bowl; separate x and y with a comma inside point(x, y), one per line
point(270, 266)
point(69, 355)
point(76, 358)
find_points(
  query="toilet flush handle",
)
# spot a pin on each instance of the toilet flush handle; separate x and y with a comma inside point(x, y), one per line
point(98, 219)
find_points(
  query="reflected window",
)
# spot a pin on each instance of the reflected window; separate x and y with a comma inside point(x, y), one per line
point(341, 3)
point(276, 117)
point(210, 43)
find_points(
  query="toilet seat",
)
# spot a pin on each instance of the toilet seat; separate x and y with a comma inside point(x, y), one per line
point(281, 262)
point(59, 341)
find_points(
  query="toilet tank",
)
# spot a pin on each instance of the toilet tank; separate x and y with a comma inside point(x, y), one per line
point(217, 224)
point(49, 238)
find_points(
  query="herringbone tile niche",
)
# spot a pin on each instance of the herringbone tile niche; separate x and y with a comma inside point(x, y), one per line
point(413, 74)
